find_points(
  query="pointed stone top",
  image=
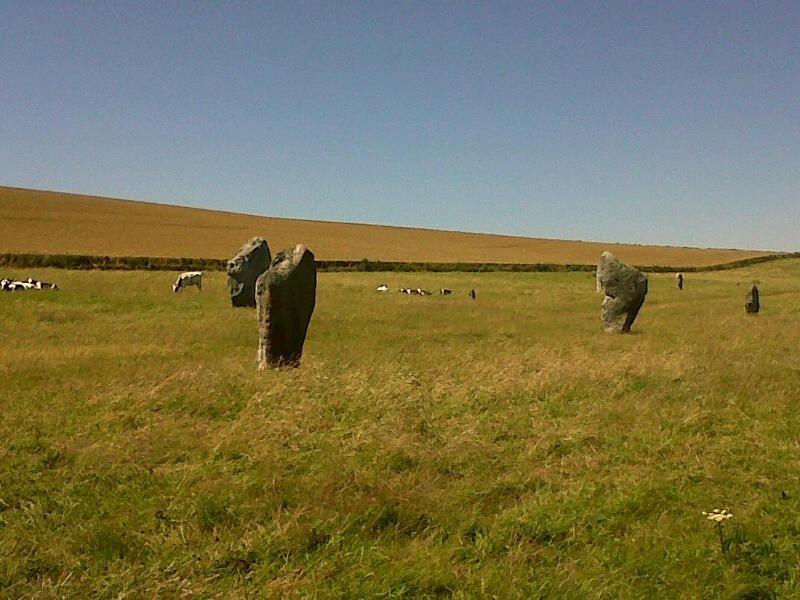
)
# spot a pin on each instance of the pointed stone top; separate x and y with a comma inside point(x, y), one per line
point(251, 245)
point(291, 257)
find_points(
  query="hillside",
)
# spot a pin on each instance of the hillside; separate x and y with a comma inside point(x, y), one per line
point(41, 222)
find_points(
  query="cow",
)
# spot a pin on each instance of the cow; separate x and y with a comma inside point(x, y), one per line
point(415, 291)
point(17, 286)
point(186, 279)
point(42, 285)
point(382, 288)
point(445, 291)
point(11, 285)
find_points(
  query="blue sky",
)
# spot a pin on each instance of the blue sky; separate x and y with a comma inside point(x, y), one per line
point(652, 122)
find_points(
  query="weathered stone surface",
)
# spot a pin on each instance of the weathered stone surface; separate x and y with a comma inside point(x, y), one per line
point(286, 295)
point(679, 281)
point(752, 302)
point(243, 270)
point(624, 288)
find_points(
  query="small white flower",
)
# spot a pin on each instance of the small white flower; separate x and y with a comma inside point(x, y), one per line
point(717, 515)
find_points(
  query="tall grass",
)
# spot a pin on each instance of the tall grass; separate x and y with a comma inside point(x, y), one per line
point(427, 447)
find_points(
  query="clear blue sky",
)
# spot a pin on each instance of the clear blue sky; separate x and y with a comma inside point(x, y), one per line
point(653, 122)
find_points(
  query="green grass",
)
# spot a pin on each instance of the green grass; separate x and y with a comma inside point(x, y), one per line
point(427, 447)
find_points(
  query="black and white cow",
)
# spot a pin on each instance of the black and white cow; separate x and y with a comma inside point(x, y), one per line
point(445, 291)
point(11, 285)
point(415, 291)
point(186, 279)
point(16, 286)
point(382, 288)
point(41, 285)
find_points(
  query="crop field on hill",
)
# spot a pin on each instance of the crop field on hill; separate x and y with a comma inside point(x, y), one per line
point(38, 222)
point(428, 447)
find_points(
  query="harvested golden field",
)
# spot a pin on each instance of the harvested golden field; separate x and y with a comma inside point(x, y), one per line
point(77, 224)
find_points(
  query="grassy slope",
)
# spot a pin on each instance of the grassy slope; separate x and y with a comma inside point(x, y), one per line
point(427, 447)
point(55, 223)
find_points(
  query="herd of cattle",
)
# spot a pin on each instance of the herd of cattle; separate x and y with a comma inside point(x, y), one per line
point(420, 292)
point(10, 285)
point(195, 278)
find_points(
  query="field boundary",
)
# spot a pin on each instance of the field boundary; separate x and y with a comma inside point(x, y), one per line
point(157, 263)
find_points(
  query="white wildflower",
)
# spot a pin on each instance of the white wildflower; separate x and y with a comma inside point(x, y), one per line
point(718, 515)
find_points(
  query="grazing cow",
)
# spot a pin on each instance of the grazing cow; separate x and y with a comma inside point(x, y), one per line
point(445, 291)
point(19, 286)
point(186, 279)
point(4, 285)
point(382, 288)
point(421, 292)
point(472, 294)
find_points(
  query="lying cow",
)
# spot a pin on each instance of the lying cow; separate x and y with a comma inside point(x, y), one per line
point(15, 286)
point(42, 285)
point(415, 292)
point(10, 285)
point(186, 279)
point(445, 291)
point(382, 288)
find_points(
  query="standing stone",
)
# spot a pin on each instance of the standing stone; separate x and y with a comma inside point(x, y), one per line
point(286, 295)
point(751, 301)
point(472, 294)
point(679, 281)
point(624, 288)
point(243, 270)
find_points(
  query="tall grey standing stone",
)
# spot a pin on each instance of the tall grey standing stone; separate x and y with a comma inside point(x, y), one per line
point(243, 270)
point(624, 288)
point(286, 295)
point(751, 302)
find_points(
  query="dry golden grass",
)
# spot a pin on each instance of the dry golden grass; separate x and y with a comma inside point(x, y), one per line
point(77, 224)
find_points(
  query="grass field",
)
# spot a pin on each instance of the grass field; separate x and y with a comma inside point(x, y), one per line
point(427, 447)
point(38, 222)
